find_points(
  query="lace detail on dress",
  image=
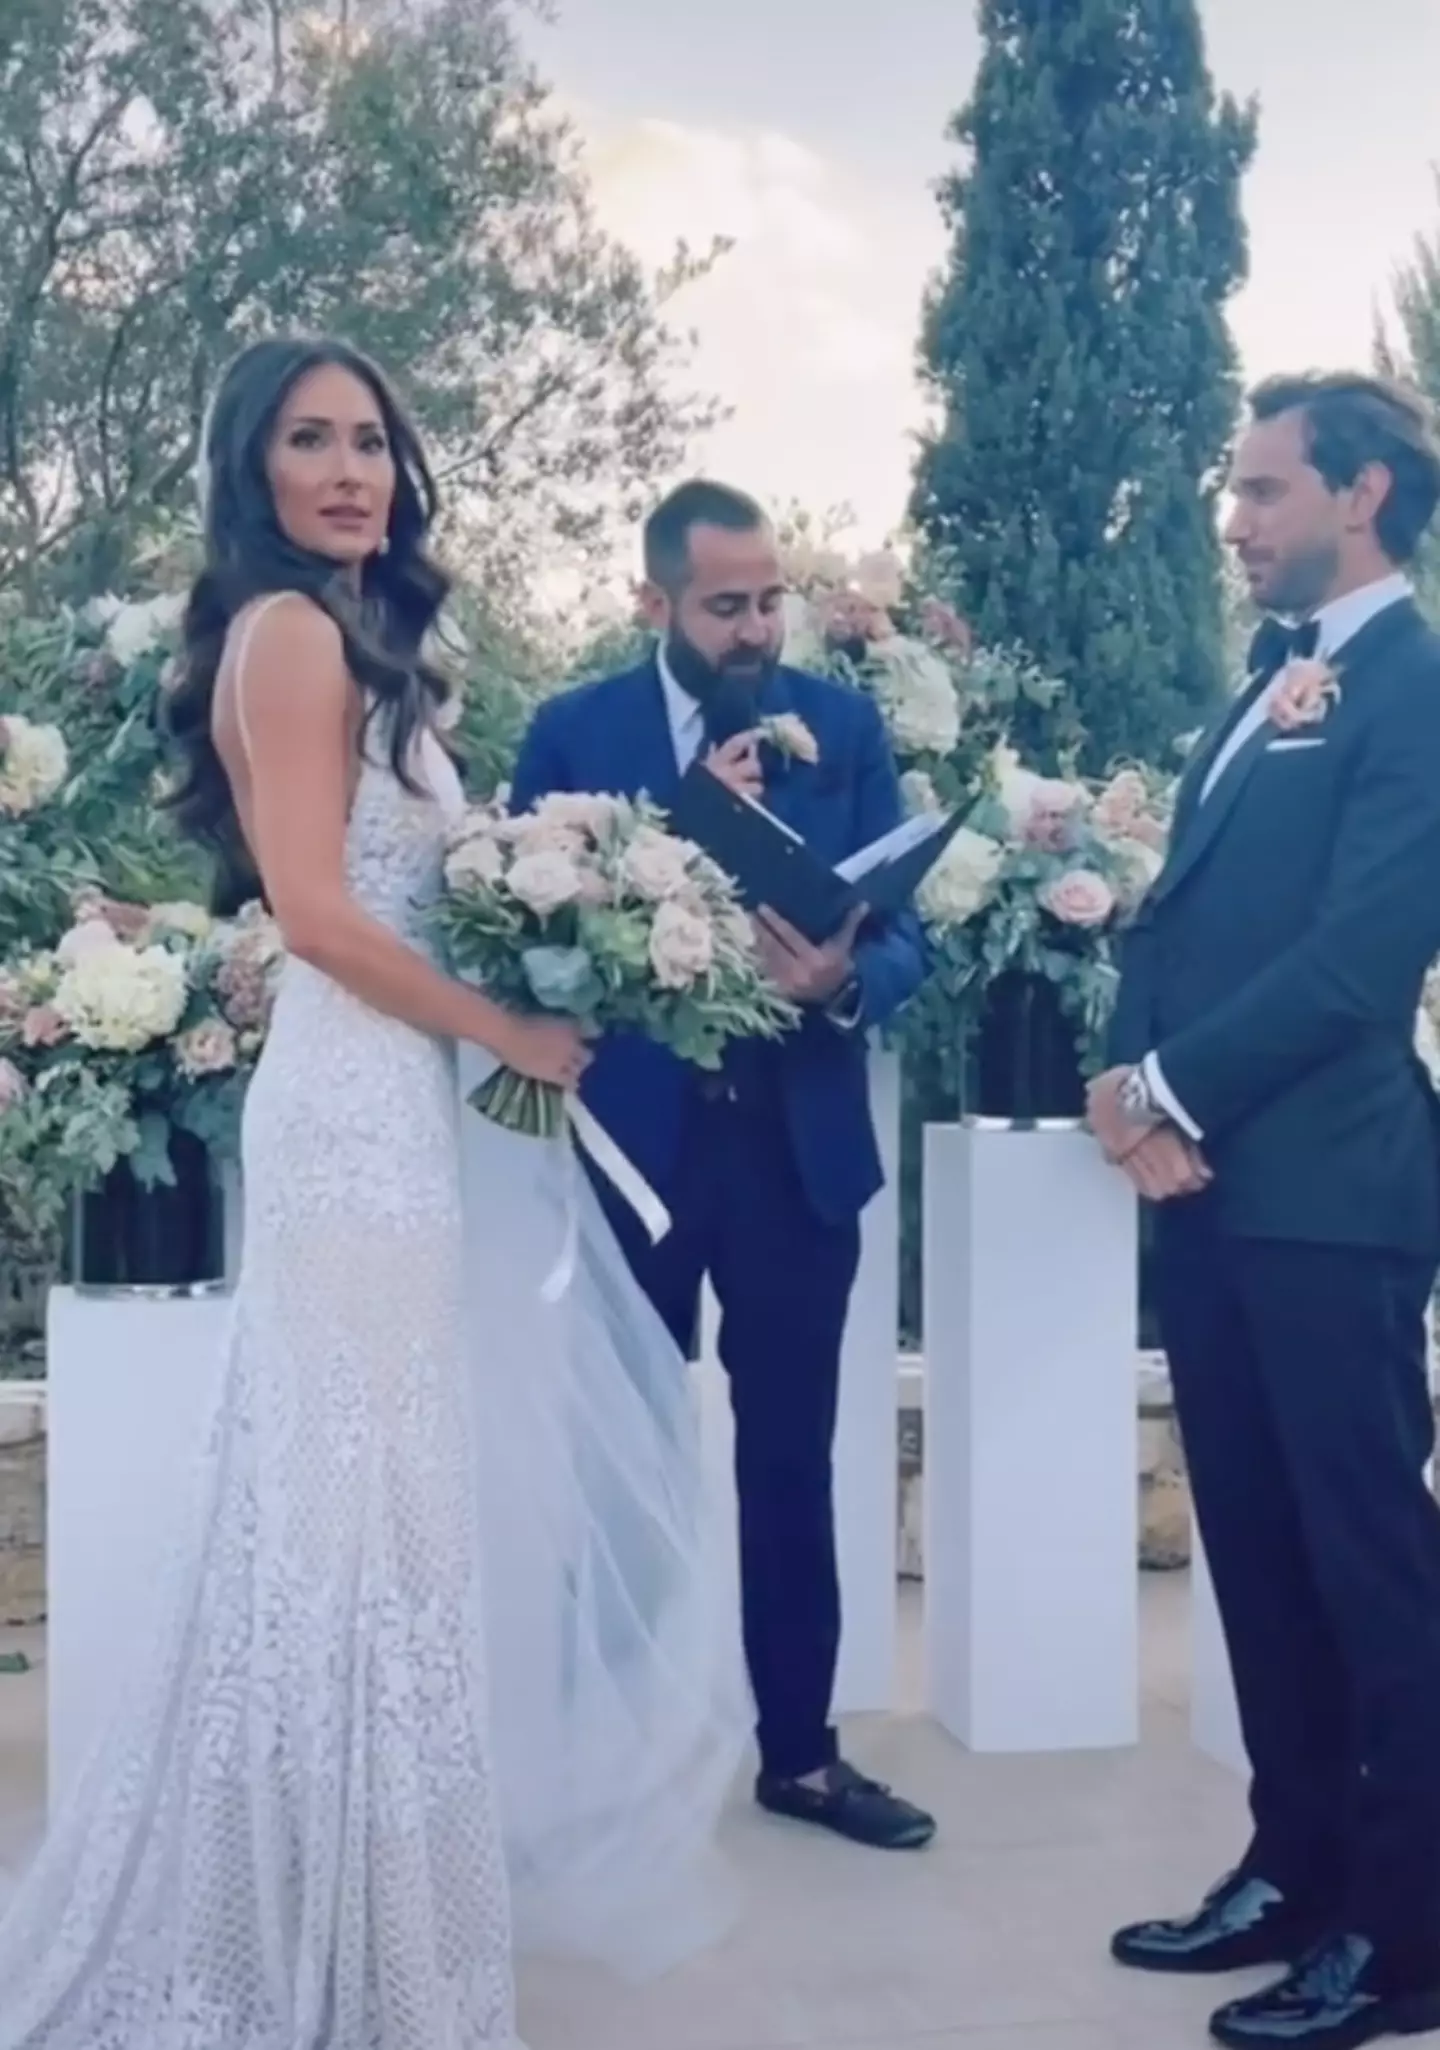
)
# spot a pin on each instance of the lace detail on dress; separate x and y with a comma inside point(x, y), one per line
point(289, 1839)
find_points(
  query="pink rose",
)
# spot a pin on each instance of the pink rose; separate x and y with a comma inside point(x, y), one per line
point(1078, 897)
point(1303, 694)
point(1052, 819)
point(44, 1026)
point(943, 624)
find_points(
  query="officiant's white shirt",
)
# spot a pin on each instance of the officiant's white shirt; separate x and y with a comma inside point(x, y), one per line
point(1337, 623)
point(687, 721)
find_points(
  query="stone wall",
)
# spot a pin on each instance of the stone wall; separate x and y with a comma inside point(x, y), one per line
point(22, 1504)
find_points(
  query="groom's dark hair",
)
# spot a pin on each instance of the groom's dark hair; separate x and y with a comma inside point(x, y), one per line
point(1351, 420)
point(699, 503)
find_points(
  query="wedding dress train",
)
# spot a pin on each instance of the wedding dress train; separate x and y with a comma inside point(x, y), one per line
point(430, 1503)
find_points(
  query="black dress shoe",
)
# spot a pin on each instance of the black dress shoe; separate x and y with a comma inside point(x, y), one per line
point(1334, 1999)
point(1241, 1922)
point(852, 1806)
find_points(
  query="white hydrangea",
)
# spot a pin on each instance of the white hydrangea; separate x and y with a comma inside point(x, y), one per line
point(119, 999)
point(917, 695)
point(960, 883)
point(135, 630)
point(34, 762)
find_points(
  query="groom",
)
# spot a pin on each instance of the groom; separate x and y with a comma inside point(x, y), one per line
point(766, 1167)
point(1268, 1096)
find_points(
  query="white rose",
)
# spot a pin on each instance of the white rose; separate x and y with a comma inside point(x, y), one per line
point(119, 999)
point(917, 695)
point(654, 865)
point(1016, 787)
point(682, 946)
point(960, 883)
point(207, 1049)
point(544, 880)
point(34, 763)
point(474, 862)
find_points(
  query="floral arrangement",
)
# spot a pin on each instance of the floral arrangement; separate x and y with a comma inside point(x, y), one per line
point(588, 908)
point(1037, 882)
point(946, 700)
point(139, 1020)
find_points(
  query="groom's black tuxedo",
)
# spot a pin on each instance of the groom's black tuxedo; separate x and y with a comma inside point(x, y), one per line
point(1275, 974)
point(1276, 966)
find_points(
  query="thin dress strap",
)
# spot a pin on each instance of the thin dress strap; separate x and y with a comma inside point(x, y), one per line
point(242, 649)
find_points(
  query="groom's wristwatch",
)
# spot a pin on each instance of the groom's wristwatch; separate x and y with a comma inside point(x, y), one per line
point(1137, 1100)
point(845, 1007)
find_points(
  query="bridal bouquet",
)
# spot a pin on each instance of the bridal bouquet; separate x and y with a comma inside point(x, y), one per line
point(588, 908)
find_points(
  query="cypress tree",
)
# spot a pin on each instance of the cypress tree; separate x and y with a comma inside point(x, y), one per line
point(1078, 352)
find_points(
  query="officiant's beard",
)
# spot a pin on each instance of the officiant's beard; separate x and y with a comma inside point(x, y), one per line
point(742, 669)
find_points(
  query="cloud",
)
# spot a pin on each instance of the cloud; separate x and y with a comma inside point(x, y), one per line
point(806, 328)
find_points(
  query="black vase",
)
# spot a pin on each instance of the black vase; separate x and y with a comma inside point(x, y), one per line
point(1024, 1058)
point(129, 1236)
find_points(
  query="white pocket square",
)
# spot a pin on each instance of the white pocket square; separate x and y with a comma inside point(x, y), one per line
point(1294, 745)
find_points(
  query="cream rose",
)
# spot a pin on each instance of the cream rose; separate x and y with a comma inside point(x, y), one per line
point(962, 879)
point(479, 861)
point(682, 946)
point(207, 1049)
point(654, 865)
point(544, 879)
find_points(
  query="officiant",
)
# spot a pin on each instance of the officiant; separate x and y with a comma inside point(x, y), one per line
point(766, 1167)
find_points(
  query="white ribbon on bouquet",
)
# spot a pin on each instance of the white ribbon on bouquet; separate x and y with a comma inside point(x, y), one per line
point(583, 1128)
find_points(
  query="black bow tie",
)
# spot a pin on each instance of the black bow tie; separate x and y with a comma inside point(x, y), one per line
point(1275, 644)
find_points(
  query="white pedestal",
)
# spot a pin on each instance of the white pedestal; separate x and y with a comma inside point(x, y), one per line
point(1031, 1586)
point(867, 1469)
point(131, 1386)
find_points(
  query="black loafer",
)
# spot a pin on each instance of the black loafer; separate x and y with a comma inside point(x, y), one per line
point(1241, 1922)
point(1334, 1999)
point(850, 1805)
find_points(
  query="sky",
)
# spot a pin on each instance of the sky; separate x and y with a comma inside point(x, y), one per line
point(811, 132)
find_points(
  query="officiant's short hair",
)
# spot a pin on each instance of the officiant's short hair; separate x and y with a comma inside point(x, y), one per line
point(1351, 420)
point(698, 503)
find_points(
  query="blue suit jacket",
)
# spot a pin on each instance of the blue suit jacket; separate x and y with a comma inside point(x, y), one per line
point(614, 737)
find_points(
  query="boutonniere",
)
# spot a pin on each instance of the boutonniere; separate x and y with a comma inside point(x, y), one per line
point(1304, 691)
point(788, 734)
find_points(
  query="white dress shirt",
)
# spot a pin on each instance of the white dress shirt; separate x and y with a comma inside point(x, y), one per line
point(1337, 623)
point(687, 721)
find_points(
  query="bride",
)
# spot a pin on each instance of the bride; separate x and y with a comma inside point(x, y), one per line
point(443, 1660)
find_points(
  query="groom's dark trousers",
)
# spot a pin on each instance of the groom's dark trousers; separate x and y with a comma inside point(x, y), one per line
point(765, 1170)
point(1275, 973)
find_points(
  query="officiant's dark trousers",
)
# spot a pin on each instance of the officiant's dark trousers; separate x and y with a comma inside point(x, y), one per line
point(1301, 1392)
point(782, 1280)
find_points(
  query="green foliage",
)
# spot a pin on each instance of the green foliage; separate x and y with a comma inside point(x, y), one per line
point(1077, 352)
point(180, 176)
point(1417, 307)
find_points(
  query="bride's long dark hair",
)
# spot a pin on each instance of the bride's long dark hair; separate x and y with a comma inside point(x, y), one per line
point(383, 619)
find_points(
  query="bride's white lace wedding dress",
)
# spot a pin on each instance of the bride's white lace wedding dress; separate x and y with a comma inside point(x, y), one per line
point(300, 1831)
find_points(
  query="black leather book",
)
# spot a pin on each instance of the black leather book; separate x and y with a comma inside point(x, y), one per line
point(772, 866)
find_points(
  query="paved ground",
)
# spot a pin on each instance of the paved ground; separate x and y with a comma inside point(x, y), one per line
point(993, 1940)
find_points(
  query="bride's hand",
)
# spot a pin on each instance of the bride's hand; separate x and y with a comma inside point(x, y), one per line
point(547, 1050)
